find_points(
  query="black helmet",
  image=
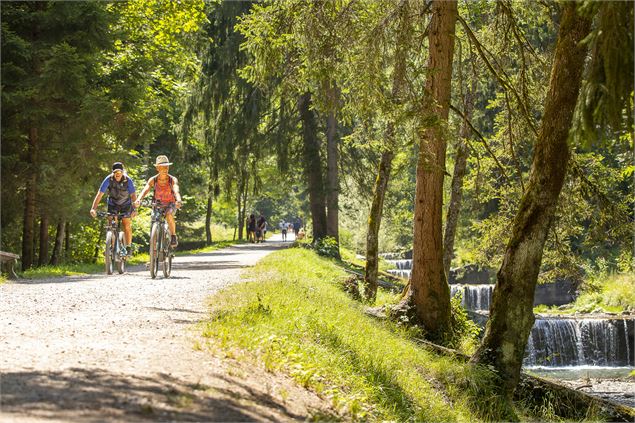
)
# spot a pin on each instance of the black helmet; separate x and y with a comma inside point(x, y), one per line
point(117, 166)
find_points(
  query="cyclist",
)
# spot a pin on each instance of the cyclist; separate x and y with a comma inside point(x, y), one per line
point(166, 193)
point(121, 194)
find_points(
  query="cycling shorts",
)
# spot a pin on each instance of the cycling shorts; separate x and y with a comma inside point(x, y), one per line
point(169, 208)
point(125, 209)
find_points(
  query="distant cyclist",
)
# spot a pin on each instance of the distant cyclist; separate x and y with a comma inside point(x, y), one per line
point(121, 194)
point(166, 193)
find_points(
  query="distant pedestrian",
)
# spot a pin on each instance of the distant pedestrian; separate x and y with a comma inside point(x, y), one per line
point(261, 228)
point(284, 231)
point(251, 228)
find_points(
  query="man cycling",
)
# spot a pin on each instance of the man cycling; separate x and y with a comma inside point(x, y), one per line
point(121, 194)
point(166, 193)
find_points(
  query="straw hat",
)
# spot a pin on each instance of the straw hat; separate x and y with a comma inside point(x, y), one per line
point(162, 161)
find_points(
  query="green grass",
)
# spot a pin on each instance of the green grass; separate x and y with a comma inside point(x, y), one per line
point(293, 316)
point(608, 294)
point(79, 269)
point(62, 270)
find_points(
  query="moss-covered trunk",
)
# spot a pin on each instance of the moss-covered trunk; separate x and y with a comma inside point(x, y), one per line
point(313, 166)
point(428, 290)
point(511, 312)
point(456, 193)
point(59, 240)
point(44, 240)
point(374, 221)
point(332, 169)
point(208, 211)
point(385, 164)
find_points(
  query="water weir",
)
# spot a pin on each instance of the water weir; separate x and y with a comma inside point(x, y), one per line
point(581, 342)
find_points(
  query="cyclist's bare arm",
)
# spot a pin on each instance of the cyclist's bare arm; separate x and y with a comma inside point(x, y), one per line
point(93, 209)
point(144, 191)
point(177, 193)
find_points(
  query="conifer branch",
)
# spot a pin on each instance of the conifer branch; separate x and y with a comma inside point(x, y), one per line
point(504, 83)
point(483, 141)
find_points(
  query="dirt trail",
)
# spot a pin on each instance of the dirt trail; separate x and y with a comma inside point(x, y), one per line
point(122, 348)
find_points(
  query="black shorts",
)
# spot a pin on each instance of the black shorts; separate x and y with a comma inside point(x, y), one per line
point(125, 209)
point(284, 232)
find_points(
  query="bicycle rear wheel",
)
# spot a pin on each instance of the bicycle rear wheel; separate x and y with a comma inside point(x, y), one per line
point(154, 250)
point(121, 264)
point(108, 253)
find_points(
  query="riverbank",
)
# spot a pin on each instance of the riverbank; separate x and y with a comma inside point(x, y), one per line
point(294, 316)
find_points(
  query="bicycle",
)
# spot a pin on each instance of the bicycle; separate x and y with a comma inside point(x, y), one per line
point(160, 243)
point(114, 243)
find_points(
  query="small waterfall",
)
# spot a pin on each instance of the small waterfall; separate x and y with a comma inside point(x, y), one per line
point(475, 297)
point(581, 342)
point(401, 264)
point(403, 268)
point(390, 256)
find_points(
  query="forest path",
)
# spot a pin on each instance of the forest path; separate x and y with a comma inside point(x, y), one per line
point(122, 347)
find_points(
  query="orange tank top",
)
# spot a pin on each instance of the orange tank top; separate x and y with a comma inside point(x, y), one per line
point(163, 192)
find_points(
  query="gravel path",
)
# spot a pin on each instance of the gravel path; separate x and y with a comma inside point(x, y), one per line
point(122, 348)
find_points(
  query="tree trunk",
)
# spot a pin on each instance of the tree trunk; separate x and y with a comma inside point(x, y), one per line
point(374, 220)
point(59, 240)
point(385, 164)
point(243, 220)
point(239, 217)
point(332, 170)
point(456, 195)
point(208, 213)
point(241, 201)
point(511, 312)
point(428, 290)
point(29, 203)
point(44, 240)
point(313, 167)
point(67, 240)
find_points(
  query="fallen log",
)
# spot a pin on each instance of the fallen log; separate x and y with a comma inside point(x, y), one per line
point(384, 284)
point(566, 402)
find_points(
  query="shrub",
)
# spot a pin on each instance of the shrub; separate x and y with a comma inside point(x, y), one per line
point(465, 333)
point(327, 247)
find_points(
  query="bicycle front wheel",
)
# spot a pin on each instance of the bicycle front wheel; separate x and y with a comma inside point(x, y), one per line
point(167, 255)
point(121, 264)
point(108, 253)
point(154, 250)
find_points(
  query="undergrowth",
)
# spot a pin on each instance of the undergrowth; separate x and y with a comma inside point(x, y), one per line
point(606, 293)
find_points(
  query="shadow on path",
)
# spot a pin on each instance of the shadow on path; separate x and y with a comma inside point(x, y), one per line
point(181, 310)
point(96, 393)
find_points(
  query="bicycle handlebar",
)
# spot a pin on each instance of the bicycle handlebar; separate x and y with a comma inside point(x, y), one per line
point(153, 203)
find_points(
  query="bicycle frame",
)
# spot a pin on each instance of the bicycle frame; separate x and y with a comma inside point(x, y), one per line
point(160, 246)
point(114, 242)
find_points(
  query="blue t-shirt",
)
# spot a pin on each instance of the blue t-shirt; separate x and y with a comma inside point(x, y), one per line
point(106, 183)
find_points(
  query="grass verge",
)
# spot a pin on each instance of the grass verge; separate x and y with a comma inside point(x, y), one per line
point(292, 316)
